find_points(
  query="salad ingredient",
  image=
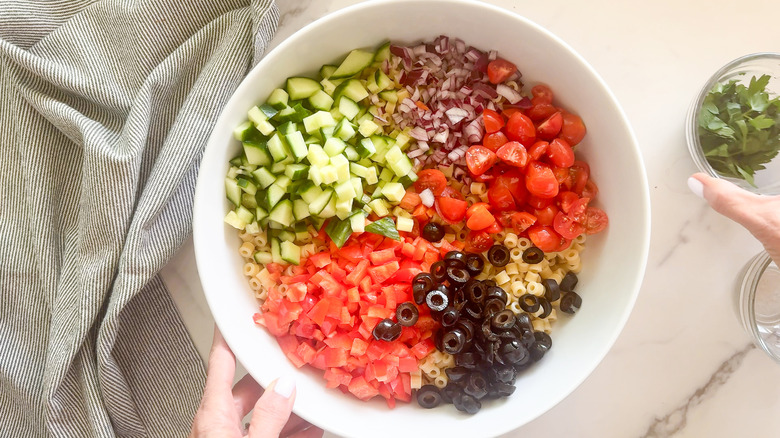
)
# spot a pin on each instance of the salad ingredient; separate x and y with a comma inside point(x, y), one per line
point(407, 314)
point(533, 255)
point(570, 302)
point(513, 153)
point(428, 396)
point(520, 128)
point(499, 70)
point(384, 227)
point(739, 127)
point(498, 255)
point(432, 179)
point(387, 330)
point(569, 282)
point(432, 232)
point(474, 264)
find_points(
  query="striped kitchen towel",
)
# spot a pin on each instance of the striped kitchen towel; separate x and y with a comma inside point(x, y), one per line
point(105, 109)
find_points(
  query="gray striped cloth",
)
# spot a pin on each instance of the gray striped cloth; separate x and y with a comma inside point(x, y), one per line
point(105, 108)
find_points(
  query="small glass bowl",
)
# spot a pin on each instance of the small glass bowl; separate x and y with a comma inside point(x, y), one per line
point(758, 303)
point(741, 69)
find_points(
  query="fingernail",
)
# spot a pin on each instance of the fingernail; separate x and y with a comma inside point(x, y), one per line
point(696, 187)
point(284, 386)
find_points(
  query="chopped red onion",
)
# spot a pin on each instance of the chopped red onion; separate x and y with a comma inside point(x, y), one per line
point(427, 198)
point(508, 93)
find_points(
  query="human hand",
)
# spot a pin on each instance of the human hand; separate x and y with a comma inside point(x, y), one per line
point(758, 214)
point(222, 408)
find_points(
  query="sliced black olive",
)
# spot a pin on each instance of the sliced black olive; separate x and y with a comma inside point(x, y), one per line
point(569, 281)
point(524, 321)
point(453, 341)
point(455, 255)
point(498, 255)
point(432, 232)
point(492, 306)
point(421, 285)
point(449, 316)
point(551, 289)
point(468, 328)
point(428, 396)
point(541, 346)
point(457, 374)
point(468, 404)
point(472, 311)
point(529, 303)
point(514, 352)
point(459, 299)
point(489, 283)
point(546, 308)
point(458, 276)
point(570, 302)
point(487, 332)
point(476, 385)
point(543, 339)
point(533, 255)
point(406, 314)
point(476, 291)
point(505, 374)
point(439, 271)
point(387, 330)
point(503, 320)
point(475, 264)
point(437, 300)
point(501, 389)
point(496, 292)
point(468, 359)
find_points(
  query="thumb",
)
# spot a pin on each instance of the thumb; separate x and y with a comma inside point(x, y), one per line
point(273, 409)
point(729, 200)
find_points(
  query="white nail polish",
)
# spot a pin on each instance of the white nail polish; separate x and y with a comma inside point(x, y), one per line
point(696, 187)
point(285, 386)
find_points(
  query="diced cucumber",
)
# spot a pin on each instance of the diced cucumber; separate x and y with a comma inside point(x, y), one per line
point(244, 131)
point(329, 174)
point(334, 146)
point(287, 128)
point(318, 120)
point(247, 184)
point(327, 70)
point(282, 213)
point(367, 128)
point(329, 210)
point(234, 221)
point(260, 213)
point(386, 175)
point(372, 178)
point(315, 176)
point(402, 167)
point(256, 153)
point(365, 148)
point(383, 81)
point(277, 148)
point(285, 235)
point(358, 221)
point(296, 113)
point(379, 206)
point(297, 145)
point(345, 191)
point(318, 204)
point(317, 156)
point(259, 116)
point(311, 193)
point(351, 153)
point(344, 130)
point(404, 224)
point(321, 100)
point(300, 209)
point(389, 96)
point(276, 253)
point(245, 215)
point(294, 188)
point(358, 169)
point(248, 201)
point(341, 163)
point(278, 99)
point(263, 258)
point(233, 191)
point(402, 140)
point(357, 185)
point(352, 89)
point(317, 222)
point(383, 52)
point(290, 252)
point(326, 132)
point(348, 107)
point(354, 63)
point(302, 88)
point(393, 191)
point(408, 179)
point(296, 171)
point(328, 86)
point(378, 190)
point(273, 195)
point(394, 155)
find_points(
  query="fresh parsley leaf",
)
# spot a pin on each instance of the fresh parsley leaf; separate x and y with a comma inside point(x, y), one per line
point(739, 127)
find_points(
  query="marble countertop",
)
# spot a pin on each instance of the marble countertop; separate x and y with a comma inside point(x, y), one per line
point(682, 367)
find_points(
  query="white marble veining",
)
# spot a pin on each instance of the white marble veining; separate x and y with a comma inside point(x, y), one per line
point(682, 366)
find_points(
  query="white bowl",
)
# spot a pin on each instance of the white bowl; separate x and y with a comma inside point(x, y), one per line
point(614, 261)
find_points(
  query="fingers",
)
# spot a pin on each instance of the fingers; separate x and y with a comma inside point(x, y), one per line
point(729, 200)
point(297, 427)
point(273, 409)
point(245, 395)
point(221, 367)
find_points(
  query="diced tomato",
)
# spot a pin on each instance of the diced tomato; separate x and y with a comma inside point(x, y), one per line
point(573, 129)
point(492, 120)
point(432, 179)
point(494, 141)
point(479, 159)
point(478, 241)
point(550, 127)
point(481, 219)
point(451, 209)
point(499, 70)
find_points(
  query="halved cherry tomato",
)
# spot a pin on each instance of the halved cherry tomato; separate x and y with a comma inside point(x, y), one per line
point(590, 190)
point(501, 197)
point(507, 112)
point(550, 127)
point(495, 228)
point(561, 175)
point(541, 111)
point(577, 209)
point(579, 173)
point(566, 226)
point(546, 215)
point(538, 150)
point(520, 128)
point(451, 210)
point(479, 159)
point(432, 179)
point(492, 120)
point(540, 180)
point(566, 199)
point(536, 202)
point(560, 153)
point(494, 141)
point(573, 129)
point(478, 241)
point(545, 238)
point(519, 220)
point(515, 182)
point(449, 192)
point(476, 206)
point(596, 220)
point(514, 154)
point(499, 70)
point(480, 219)
point(541, 94)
